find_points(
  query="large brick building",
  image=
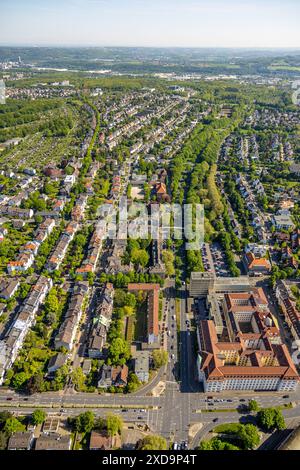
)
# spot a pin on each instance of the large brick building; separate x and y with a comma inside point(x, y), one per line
point(249, 355)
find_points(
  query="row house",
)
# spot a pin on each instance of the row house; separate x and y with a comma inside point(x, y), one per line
point(11, 344)
point(16, 212)
point(113, 376)
point(59, 204)
point(287, 301)
point(44, 230)
point(8, 288)
point(283, 221)
point(79, 208)
point(288, 258)
point(101, 323)
point(63, 243)
point(23, 262)
point(67, 331)
point(28, 252)
point(94, 249)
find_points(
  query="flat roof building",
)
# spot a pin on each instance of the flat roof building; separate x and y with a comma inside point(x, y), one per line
point(203, 283)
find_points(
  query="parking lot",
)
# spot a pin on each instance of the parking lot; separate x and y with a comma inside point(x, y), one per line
point(207, 259)
point(219, 260)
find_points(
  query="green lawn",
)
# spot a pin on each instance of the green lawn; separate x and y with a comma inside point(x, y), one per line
point(140, 327)
point(227, 428)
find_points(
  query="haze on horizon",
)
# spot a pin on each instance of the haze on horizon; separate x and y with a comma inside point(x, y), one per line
point(154, 23)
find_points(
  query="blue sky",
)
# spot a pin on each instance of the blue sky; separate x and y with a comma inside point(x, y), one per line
point(196, 23)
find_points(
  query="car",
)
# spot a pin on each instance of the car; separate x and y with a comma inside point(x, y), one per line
point(9, 398)
point(172, 356)
point(124, 411)
point(229, 401)
point(175, 446)
point(140, 417)
point(242, 400)
point(215, 420)
point(286, 396)
point(172, 347)
point(184, 445)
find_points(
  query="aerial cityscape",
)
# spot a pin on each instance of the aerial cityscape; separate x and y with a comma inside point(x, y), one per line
point(149, 230)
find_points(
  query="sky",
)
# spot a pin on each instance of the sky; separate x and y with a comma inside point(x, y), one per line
point(156, 23)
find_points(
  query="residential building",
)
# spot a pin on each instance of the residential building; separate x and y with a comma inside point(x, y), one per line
point(67, 331)
point(101, 323)
point(283, 221)
point(24, 319)
point(8, 288)
point(152, 291)
point(256, 266)
point(53, 442)
point(56, 362)
point(113, 376)
point(102, 441)
point(141, 365)
point(21, 441)
point(289, 304)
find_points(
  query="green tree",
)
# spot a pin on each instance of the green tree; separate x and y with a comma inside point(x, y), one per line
point(51, 306)
point(118, 351)
point(13, 425)
point(4, 416)
point(253, 406)
point(160, 358)
point(249, 436)
point(114, 424)
point(133, 383)
point(85, 422)
point(139, 257)
point(168, 259)
point(35, 384)
point(38, 416)
point(78, 378)
point(270, 419)
point(279, 420)
point(19, 379)
point(153, 442)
